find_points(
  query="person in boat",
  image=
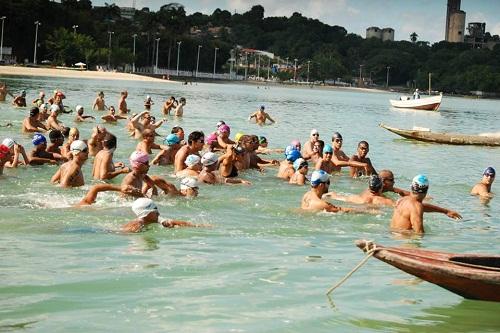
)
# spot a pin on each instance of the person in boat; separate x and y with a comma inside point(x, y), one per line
point(16, 152)
point(339, 158)
point(147, 213)
point(483, 188)
point(70, 173)
point(79, 115)
point(261, 116)
point(20, 100)
point(372, 195)
point(32, 122)
point(99, 103)
point(301, 167)
point(360, 156)
point(416, 94)
point(409, 211)
point(104, 168)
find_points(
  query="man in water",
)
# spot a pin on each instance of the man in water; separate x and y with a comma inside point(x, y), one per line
point(122, 103)
point(4, 92)
point(104, 168)
point(387, 178)
point(167, 154)
point(209, 174)
point(193, 163)
point(286, 169)
point(195, 143)
point(360, 156)
point(99, 102)
point(325, 162)
point(16, 152)
point(39, 101)
point(308, 146)
point(20, 100)
point(179, 110)
point(52, 121)
point(39, 154)
point(301, 167)
point(32, 123)
point(373, 195)
point(96, 138)
point(79, 115)
point(168, 105)
point(261, 116)
point(148, 142)
point(111, 117)
point(483, 188)
point(56, 141)
point(147, 213)
point(409, 211)
point(70, 173)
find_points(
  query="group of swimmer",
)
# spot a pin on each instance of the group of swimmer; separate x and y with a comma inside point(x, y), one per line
point(210, 159)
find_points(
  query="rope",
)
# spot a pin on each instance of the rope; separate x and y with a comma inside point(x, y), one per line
point(370, 249)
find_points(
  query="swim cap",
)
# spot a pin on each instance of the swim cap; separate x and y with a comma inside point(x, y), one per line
point(60, 94)
point(137, 158)
point(318, 177)
point(420, 184)
point(262, 139)
point(23, 92)
point(54, 108)
point(314, 131)
point(375, 183)
point(220, 123)
point(336, 135)
point(238, 136)
point(171, 139)
point(295, 143)
point(299, 163)
point(327, 149)
point(4, 151)
point(78, 108)
point(224, 128)
point(192, 160)
point(41, 94)
point(293, 155)
point(489, 171)
point(38, 139)
point(143, 206)
point(211, 138)
point(9, 142)
point(148, 97)
point(209, 158)
point(34, 111)
point(188, 182)
point(262, 107)
point(78, 146)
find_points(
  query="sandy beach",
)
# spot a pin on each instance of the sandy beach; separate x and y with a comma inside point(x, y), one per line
point(68, 73)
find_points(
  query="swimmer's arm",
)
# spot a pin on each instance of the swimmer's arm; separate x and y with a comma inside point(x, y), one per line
point(133, 226)
point(56, 177)
point(87, 117)
point(117, 116)
point(136, 118)
point(176, 223)
point(95, 104)
point(158, 123)
point(480, 189)
point(236, 181)
point(429, 208)
point(253, 115)
point(28, 127)
point(269, 117)
point(301, 180)
point(400, 192)
point(40, 160)
point(317, 166)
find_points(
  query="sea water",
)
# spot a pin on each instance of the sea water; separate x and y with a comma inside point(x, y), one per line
point(263, 266)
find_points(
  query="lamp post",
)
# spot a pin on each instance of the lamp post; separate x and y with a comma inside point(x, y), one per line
point(178, 55)
point(295, 70)
point(74, 28)
point(371, 82)
point(286, 62)
point(157, 47)
point(134, 36)
point(1, 40)
point(215, 60)
point(387, 79)
point(360, 77)
point(37, 24)
point(109, 48)
point(258, 69)
point(198, 60)
point(308, 63)
point(268, 67)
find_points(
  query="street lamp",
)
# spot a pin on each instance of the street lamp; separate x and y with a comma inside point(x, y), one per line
point(198, 60)
point(308, 63)
point(134, 36)
point(1, 40)
point(178, 54)
point(74, 28)
point(360, 71)
point(286, 63)
point(109, 47)
point(157, 47)
point(215, 60)
point(295, 70)
point(387, 79)
point(37, 24)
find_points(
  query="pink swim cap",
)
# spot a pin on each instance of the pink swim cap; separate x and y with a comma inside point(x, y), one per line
point(224, 128)
point(295, 143)
point(211, 138)
point(137, 158)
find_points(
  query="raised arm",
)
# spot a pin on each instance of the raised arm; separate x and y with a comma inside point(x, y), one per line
point(429, 208)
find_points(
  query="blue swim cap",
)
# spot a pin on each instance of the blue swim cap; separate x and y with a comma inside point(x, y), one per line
point(489, 171)
point(327, 149)
point(293, 155)
point(38, 139)
point(318, 177)
point(420, 184)
point(288, 149)
point(171, 139)
point(300, 162)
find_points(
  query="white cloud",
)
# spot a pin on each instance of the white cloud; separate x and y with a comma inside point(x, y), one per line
point(495, 30)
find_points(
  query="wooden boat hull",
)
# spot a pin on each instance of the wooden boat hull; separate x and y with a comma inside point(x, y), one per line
point(464, 274)
point(427, 103)
point(444, 138)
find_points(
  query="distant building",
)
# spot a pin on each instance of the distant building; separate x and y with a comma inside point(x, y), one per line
point(383, 34)
point(7, 55)
point(455, 22)
point(127, 12)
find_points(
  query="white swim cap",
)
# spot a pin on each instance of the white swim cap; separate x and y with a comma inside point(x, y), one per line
point(209, 158)
point(54, 108)
point(8, 142)
point(188, 182)
point(78, 108)
point(192, 160)
point(143, 206)
point(78, 146)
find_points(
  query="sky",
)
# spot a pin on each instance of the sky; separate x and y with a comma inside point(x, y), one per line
point(425, 17)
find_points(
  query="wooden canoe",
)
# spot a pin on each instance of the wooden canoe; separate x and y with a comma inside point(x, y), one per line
point(472, 276)
point(431, 103)
point(445, 138)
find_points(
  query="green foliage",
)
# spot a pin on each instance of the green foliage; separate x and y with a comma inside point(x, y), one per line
point(68, 48)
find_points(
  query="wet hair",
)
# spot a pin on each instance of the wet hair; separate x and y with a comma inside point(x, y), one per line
point(55, 135)
point(182, 99)
point(34, 111)
point(65, 131)
point(363, 142)
point(375, 183)
point(195, 136)
point(176, 129)
point(123, 93)
point(109, 141)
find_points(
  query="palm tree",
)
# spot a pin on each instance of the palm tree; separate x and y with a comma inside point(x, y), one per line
point(413, 37)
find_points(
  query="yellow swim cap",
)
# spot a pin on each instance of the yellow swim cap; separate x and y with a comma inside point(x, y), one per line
point(238, 136)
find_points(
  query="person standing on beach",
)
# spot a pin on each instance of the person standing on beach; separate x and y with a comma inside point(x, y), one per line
point(261, 116)
point(122, 103)
point(104, 168)
point(32, 123)
point(20, 100)
point(360, 156)
point(483, 188)
point(99, 103)
point(70, 173)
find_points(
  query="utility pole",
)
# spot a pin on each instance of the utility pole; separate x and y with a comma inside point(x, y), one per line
point(1, 40)
point(134, 36)
point(295, 70)
point(215, 60)
point(178, 55)
point(360, 76)
point(198, 60)
point(430, 78)
point(37, 24)
point(387, 79)
point(109, 47)
point(308, 63)
point(157, 47)
point(268, 67)
point(258, 69)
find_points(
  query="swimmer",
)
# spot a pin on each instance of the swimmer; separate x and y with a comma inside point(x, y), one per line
point(167, 154)
point(16, 152)
point(195, 143)
point(73, 135)
point(179, 131)
point(148, 142)
point(4, 92)
point(99, 103)
point(223, 132)
point(147, 103)
point(179, 110)
point(56, 141)
point(261, 116)
point(251, 144)
point(483, 188)
point(301, 168)
point(122, 103)
point(112, 117)
point(70, 173)
point(286, 169)
point(339, 158)
point(79, 115)
point(325, 162)
point(141, 122)
point(104, 168)
point(409, 211)
point(209, 174)
point(32, 123)
point(20, 100)
point(52, 121)
point(4, 156)
point(168, 105)
point(147, 213)
point(44, 112)
point(387, 178)
point(227, 162)
point(308, 146)
point(360, 156)
point(193, 169)
point(39, 101)
point(373, 195)
point(39, 154)
point(317, 152)
point(95, 141)
point(211, 143)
